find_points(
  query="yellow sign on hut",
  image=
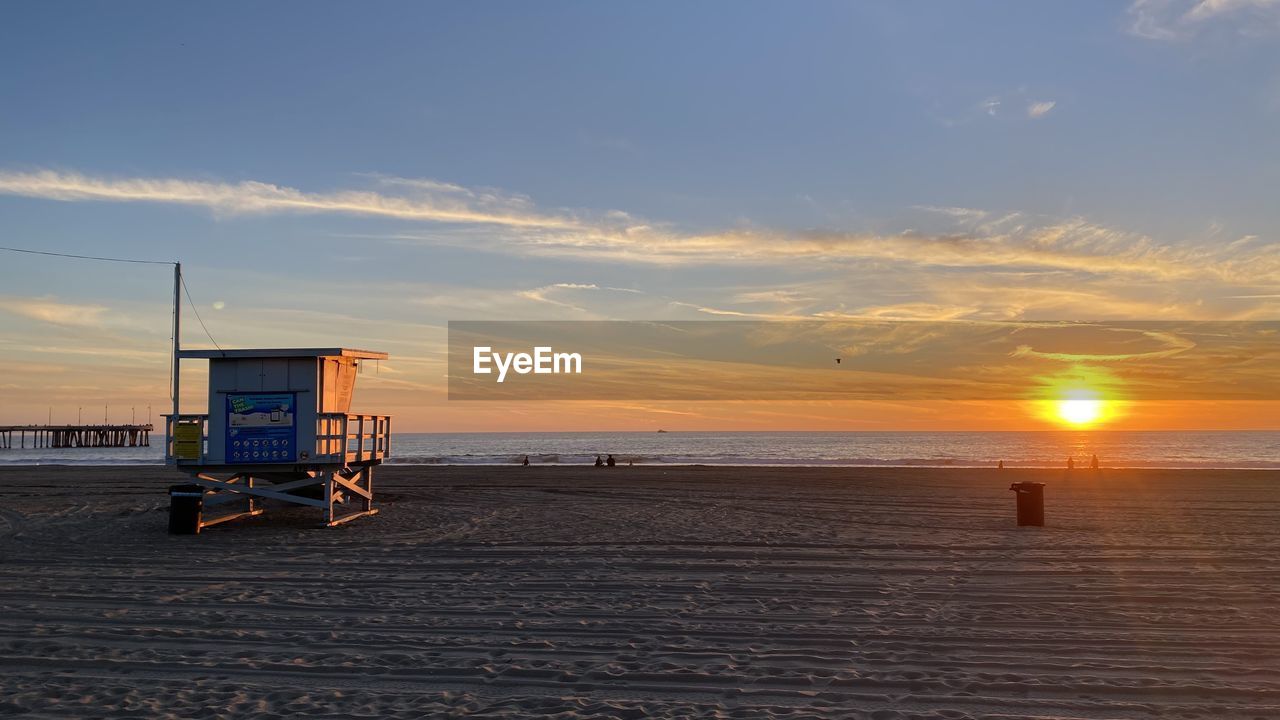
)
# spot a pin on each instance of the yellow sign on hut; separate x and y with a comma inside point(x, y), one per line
point(187, 441)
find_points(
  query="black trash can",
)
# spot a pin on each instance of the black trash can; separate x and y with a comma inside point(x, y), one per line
point(1030, 503)
point(186, 508)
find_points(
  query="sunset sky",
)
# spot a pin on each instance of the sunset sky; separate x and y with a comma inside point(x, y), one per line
point(361, 175)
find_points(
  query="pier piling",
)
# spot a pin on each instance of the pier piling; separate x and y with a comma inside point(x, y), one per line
point(74, 436)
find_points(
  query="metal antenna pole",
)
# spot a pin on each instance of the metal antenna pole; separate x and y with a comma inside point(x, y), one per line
point(177, 340)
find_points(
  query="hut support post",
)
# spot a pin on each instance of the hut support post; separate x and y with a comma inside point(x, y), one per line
point(341, 488)
point(351, 485)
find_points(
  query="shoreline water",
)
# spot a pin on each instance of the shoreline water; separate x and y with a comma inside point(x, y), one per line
point(722, 465)
point(1033, 449)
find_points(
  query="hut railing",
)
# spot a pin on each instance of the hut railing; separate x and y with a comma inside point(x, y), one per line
point(351, 438)
point(340, 438)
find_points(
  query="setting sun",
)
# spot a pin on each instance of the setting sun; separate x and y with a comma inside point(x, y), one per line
point(1080, 412)
point(1080, 398)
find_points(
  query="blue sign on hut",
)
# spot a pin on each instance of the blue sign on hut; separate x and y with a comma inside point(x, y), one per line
point(279, 427)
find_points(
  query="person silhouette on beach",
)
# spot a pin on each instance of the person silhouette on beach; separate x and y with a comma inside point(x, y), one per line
point(599, 462)
point(525, 461)
point(610, 461)
point(1000, 465)
point(1071, 463)
point(1093, 464)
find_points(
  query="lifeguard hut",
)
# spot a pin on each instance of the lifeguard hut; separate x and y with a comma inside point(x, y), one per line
point(279, 427)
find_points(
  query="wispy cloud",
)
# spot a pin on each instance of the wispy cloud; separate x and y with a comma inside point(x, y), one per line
point(590, 286)
point(960, 213)
point(911, 311)
point(550, 293)
point(514, 224)
point(425, 200)
point(1040, 109)
point(999, 108)
point(54, 312)
point(775, 296)
point(1175, 19)
point(545, 294)
point(1073, 244)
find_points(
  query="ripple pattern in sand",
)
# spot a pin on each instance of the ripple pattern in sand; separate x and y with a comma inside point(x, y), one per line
point(651, 593)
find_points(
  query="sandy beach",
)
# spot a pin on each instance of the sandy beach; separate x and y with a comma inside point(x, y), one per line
point(645, 592)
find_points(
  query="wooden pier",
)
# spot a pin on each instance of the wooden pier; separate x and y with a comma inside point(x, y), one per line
point(75, 436)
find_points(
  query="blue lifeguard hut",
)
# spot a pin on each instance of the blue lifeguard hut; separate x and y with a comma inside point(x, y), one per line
point(278, 427)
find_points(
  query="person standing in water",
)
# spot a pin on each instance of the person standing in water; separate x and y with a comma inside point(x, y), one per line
point(1093, 464)
point(1071, 463)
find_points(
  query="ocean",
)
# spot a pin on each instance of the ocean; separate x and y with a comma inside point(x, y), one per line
point(1202, 449)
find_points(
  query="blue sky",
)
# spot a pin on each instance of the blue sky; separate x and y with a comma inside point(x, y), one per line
point(632, 160)
point(702, 113)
